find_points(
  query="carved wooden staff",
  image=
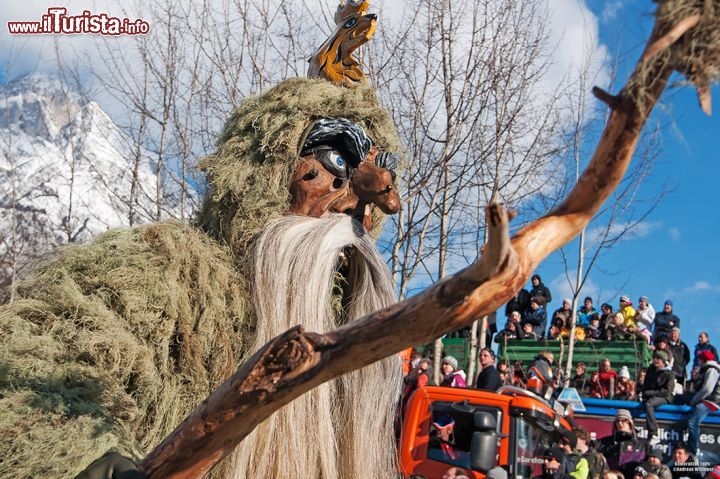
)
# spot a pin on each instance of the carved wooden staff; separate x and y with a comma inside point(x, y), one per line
point(297, 361)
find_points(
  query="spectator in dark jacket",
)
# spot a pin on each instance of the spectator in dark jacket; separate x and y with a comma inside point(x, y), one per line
point(520, 303)
point(539, 289)
point(681, 356)
point(420, 376)
point(511, 331)
point(540, 376)
point(683, 464)
point(580, 381)
point(655, 466)
point(665, 321)
point(623, 449)
point(563, 315)
point(703, 345)
point(528, 332)
point(488, 379)
point(537, 316)
point(594, 330)
point(554, 464)
point(657, 389)
point(606, 315)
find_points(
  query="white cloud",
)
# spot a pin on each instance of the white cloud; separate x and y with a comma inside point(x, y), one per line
point(611, 10)
point(561, 288)
point(698, 287)
point(674, 234)
point(628, 230)
point(574, 29)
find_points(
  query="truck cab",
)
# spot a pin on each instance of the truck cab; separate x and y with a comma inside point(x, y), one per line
point(511, 428)
point(479, 430)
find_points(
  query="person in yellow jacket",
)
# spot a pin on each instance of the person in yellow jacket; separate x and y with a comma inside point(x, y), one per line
point(628, 312)
point(575, 464)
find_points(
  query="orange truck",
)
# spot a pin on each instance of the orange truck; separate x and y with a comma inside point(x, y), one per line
point(478, 430)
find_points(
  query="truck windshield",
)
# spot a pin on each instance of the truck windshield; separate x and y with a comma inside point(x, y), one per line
point(531, 441)
point(451, 430)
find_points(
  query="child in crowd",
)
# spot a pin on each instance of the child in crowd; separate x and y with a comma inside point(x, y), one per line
point(528, 332)
point(593, 330)
point(554, 332)
point(625, 387)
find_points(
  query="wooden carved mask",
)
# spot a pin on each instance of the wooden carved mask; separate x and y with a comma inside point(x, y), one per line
point(339, 171)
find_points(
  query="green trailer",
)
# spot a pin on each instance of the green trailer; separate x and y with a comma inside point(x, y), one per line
point(633, 354)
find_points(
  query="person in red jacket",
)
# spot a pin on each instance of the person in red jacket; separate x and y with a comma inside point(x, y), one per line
point(603, 384)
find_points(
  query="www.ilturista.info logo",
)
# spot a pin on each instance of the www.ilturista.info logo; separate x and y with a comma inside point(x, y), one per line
point(57, 21)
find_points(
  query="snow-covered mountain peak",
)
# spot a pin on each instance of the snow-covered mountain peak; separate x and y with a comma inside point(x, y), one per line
point(68, 164)
point(38, 105)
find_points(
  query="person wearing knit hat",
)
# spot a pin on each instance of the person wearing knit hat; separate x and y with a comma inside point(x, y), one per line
point(627, 311)
point(657, 389)
point(662, 354)
point(623, 449)
point(625, 387)
point(654, 465)
point(451, 361)
point(706, 399)
point(452, 376)
point(562, 317)
point(624, 414)
point(665, 321)
point(655, 452)
point(539, 289)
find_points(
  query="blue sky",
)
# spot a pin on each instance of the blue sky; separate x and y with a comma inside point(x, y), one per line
point(674, 255)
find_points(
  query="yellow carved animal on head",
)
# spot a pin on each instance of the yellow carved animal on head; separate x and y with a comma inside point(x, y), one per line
point(334, 60)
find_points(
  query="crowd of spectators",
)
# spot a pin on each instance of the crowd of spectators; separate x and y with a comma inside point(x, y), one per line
point(664, 381)
point(528, 318)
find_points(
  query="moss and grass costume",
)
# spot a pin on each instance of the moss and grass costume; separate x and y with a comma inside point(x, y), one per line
point(110, 345)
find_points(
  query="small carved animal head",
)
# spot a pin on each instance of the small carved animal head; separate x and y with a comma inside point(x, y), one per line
point(334, 60)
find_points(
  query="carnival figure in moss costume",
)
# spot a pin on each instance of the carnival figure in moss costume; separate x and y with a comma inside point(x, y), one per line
point(111, 344)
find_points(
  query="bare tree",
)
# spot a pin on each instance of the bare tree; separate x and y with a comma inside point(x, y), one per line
point(464, 83)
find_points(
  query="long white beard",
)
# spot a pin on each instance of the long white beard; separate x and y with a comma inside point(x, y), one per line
point(344, 428)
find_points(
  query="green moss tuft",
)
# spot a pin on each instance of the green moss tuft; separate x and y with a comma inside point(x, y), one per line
point(112, 344)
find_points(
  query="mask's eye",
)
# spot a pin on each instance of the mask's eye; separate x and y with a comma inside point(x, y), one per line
point(338, 160)
point(351, 22)
point(333, 162)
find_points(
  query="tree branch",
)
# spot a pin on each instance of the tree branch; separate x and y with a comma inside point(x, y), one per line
point(671, 37)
